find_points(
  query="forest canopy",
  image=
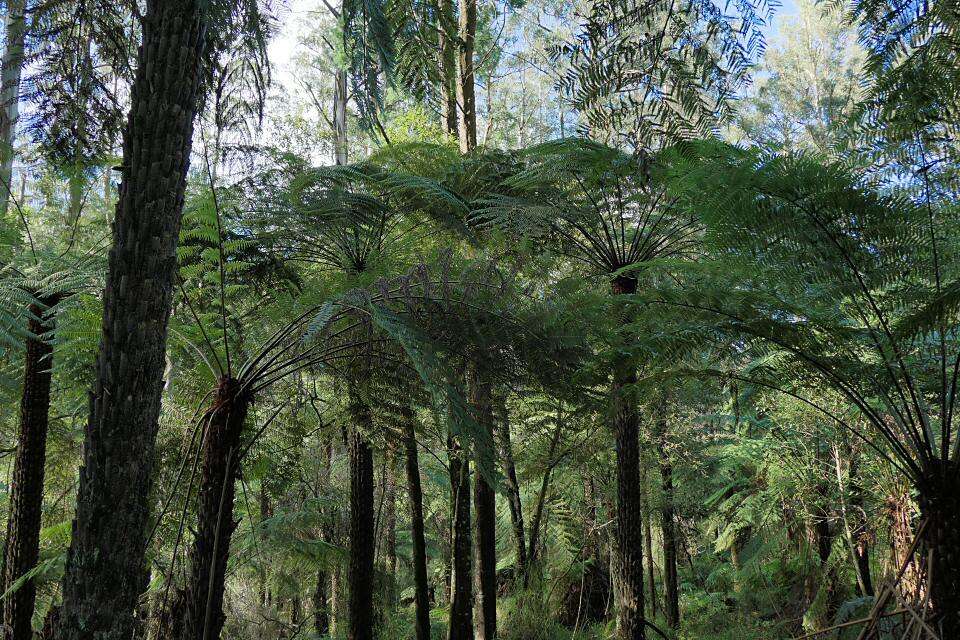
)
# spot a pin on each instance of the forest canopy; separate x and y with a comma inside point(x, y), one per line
point(479, 320)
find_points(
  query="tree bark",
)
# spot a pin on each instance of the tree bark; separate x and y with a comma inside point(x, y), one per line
point(939, 498)
point(631, 624)
point(461, 578)
point(26, 497)
point(466, 89)
point(513, 494)
point(360, 577)
point(10, 73)
point(648, 539)
point(448, 65)
point(340, 116)
point(321, 616)
point(671, 592)
point(220, 461)
point(485, 505)
point(533, 552)
point(104, 571)
point(390, 500)
point(415, 491)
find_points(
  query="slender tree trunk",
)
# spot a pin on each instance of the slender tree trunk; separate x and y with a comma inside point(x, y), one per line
point(12, 68)
point(336, 600)
point(513, 495)
point(362, 541)
point(939, 497)
point(340, 116)
point(648, 539)
point(461, 579)
point(631, 624)
point(390, 500)
point(104, 572)
point(534, 551)
point(26, 498)
point(466, 81)
point(671, 592)
point(448, 65)
point(321, 616)
point(220, 462)
point(486, 508)
point(421, 592)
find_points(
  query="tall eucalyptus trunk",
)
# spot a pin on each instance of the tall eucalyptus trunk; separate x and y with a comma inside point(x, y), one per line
point(466, 81)
point(219, 466)
point(448, 65)
point(415, 491)
point(105, 573)
point(631, 624)
point(360, 572)
point(321, 615)
point(26, 497)
point(10, 73)
point(481, 404)
point(340, 96)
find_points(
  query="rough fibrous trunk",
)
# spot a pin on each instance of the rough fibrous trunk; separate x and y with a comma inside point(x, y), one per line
point(104, 572)
point(485, 505)
point(461, 579)
point(360, 573)
point(415, 491)
point(26, 497)
point(220, 460)
point(939, 498)
point(630, 616)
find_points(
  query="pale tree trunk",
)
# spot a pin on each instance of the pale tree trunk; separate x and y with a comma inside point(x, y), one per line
point(466, 81)
point(16, 28)
point(340, 116)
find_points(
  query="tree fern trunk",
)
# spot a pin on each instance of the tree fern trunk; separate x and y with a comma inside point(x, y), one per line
point(461, 579)
point(415, 491)
point(486, 508)
point(26, 497)
point(104, 572)
point(939, 498)
point(219, 464)
point(630, 617)
point(360, 576)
